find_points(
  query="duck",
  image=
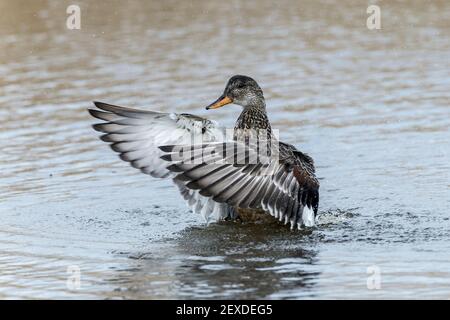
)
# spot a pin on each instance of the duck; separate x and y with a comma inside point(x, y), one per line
point(221, 173)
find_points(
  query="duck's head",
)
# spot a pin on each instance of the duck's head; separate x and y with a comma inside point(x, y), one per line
point(240, 90)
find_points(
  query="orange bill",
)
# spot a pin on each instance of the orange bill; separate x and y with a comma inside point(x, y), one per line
point(223, 100)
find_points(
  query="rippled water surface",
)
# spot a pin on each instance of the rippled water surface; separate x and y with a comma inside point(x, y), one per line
point(371, 107)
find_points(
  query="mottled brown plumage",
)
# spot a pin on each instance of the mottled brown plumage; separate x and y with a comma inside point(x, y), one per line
point(244, 91)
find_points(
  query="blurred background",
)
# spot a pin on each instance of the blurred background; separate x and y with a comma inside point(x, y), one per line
point(371, 107)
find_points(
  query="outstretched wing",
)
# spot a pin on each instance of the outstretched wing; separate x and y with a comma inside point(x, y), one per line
point(136, 134)
point(285, 187)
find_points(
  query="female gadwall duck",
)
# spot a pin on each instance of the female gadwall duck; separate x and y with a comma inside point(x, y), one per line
point(223, 176)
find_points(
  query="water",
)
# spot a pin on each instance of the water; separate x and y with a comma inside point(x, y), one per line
point(371, 107)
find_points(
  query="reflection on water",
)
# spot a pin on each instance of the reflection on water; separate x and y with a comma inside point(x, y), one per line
point(371, 107)
point(223, 261)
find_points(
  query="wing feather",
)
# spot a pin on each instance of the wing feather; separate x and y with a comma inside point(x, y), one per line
point(136, 134)
point(284, 193)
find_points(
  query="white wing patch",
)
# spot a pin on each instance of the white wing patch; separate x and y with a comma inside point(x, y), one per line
point(308, 217)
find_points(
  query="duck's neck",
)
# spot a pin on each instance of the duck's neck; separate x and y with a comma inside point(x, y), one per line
point(253, 117)
point(253, 121)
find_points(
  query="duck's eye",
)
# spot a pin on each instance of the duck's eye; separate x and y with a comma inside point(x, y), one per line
point(240, 86)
